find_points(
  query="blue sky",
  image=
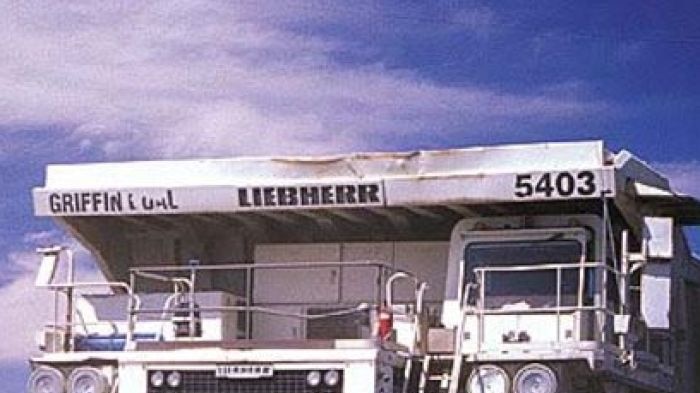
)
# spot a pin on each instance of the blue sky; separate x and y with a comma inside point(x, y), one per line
point(147, 80)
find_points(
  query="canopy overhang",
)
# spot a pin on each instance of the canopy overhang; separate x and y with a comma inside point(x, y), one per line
point(364, 187)
point(476, 176)
point(665, 203)
point(115, 208)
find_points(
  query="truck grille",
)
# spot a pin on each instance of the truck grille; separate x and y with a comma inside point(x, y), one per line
point(283, 381)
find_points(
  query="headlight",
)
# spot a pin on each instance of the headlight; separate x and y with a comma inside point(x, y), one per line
point(87, 380)
point(313, 378)
point(157, 379)
point(535, 378)
point(46, 380)
point(331, 378)
point(488, 379)
point(174, 379)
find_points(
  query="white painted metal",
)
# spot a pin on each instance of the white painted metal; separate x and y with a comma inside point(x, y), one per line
point(319, 285)
point(360, 361)
point(659, 234)
point(428, 261)
point(464, 232)
point(106, 314)
point(259, 171)
point(356, 284)
point(420, 187)
point(656, 302)
point(476, 175)
point(295, 291)
point(47, 268)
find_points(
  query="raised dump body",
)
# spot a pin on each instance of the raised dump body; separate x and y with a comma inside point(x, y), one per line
point(527, 268)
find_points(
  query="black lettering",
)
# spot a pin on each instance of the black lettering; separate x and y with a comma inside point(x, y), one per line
point(293, 198)
point(350, 194)
point(309, 196)
point(147, 203)
point(67, 202)
point(283, 196)
point(96, 200)
point(171, 200)
point(565, 184)
point(257, 197)
point(368, 193)
point(301, 196)
point(340, 195)
point(243, 198)
point(362, 193)
point(523, 186)
point(287, 196)
point(373, 193)
point(132, 204)
point(588, 185)
point(55, 203)
point(115, 202)
point(544, 185)
point(84, 201)
point(327, 195)
point(269, 196)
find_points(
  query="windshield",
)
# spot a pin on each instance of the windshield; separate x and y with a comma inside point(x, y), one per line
point(536, 288)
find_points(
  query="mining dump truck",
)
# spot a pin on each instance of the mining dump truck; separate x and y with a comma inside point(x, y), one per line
point(538, 268)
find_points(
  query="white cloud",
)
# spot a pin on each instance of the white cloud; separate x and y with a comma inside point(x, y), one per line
point(189, 77)
point(43, 238)
point(26, 309)
point(213, 78)
point(684, 176)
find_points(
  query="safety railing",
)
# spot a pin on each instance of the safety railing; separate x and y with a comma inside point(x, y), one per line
point(184, 280)
point(590, 293)
point(73, 319)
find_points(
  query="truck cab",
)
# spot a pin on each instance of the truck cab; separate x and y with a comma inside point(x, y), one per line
point(553, 268)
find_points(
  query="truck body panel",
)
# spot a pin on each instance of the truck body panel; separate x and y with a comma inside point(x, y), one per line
point(558, 264)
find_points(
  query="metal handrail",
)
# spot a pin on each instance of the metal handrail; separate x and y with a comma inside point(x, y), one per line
point(265, 310)
point(157, 273)
point(72, 286)
point(480, 309)
point(550, 266)
point(184, 286)
point(544, 310)
point(459, 339)
point(266, 265)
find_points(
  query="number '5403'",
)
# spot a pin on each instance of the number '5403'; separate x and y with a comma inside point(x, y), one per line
point(557, 184)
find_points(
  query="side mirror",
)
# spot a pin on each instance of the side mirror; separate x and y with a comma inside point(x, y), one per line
point(658, 233)
point(47, 268)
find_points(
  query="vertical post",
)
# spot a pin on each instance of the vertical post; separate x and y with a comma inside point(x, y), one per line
point(68, 344)
point(558, 304)
point(248, 302)
point(378, 286)
point(624, 284)
point(193, 277)
point(480, 305)
point(131, 324)
point(603, 267)
point(462, 282)
point(624, 273)
point(55, 320)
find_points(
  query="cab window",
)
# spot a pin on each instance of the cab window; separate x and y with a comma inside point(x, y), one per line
point(529, 288)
